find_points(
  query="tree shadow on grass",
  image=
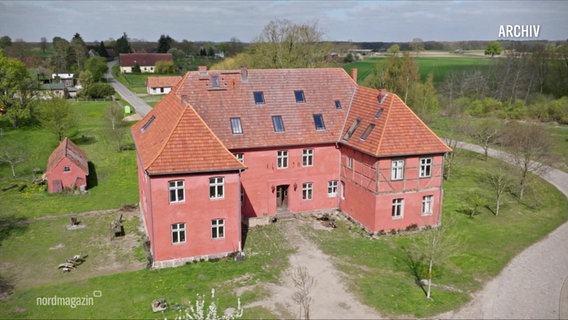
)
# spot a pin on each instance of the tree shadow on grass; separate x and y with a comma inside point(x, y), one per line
point(84, 140)
point(92, 180)
point(10, 225)
point(416, 267)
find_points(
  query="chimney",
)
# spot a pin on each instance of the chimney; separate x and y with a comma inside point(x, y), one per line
point(382, 95)
point(354, 74)
point(202, 69)
point(244, 74)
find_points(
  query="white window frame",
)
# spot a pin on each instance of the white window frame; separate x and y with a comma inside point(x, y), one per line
point(240, 157)
point(427, 205)
point(282, 159)
point(332, 187)
point(307, 158)
point(218, 227)
point(178, 229)
point(397, 169)
point(397, 211)
point(426, 165)
point(307, 191)
point(349, 162)
point(176, 186)
point(218, 185)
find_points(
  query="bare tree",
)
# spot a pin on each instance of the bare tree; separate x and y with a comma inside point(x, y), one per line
point(530, 149)
point(417, 45)
point(12, 153)
point(303, 282)
point(486, 132)
point(116, 130)
point(500, 183)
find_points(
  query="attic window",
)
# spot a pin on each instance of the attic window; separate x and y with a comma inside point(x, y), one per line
point(236, 126)
point(318, 120)
point(367, 132)
point(147, 124)
point(379, 112)
point(258, 97)
point(278, 123)
point(337, 104)
point(214, 82)
point(299, 94)
point(351, 129)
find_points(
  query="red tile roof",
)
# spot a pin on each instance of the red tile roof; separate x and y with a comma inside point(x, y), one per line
point(163, 82)
point(172, 138)
point(191, 126)
point(143, 59)
point(67, 149)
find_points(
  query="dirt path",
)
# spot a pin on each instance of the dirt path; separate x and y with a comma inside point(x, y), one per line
point(330, 297)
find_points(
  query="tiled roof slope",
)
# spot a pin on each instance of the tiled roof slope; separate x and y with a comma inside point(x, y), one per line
point(143, 59)
point(397, 132)
point(234, 98)
point(67, 149)
point(172, 138)
point(160, 82)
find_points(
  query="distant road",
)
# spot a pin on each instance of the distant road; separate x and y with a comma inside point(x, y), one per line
point(141, 107)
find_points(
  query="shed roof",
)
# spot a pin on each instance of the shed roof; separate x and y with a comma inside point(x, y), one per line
point(67, 149)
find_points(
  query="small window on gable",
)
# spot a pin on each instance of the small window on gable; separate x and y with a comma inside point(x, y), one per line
point(299, 94)
point(258, 97)
point(214, 82)
point(379, 112)
point(236, 126)
point(367, 132)
point(66, 169)
point(337, 104)
point(278, 123)
point(318, 120)
point(351, 129)
point(147, 124)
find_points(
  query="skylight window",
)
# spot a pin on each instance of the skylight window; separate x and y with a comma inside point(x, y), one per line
point(147, 124)
point(367, 132)
point(337, 104)
point(318, 120)
point(258, 97)
point(214, 81)
point(278, 123)
point(379, 112)
point(236, 126)
point(299, 94)
point(351, 129)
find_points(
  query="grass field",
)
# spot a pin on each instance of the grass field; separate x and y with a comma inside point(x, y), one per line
point(112, 180)
point(439, 67)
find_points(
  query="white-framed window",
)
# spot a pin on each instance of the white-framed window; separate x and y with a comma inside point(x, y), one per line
point(307, 157)
point(349, 162)
point(217, 228)
point(332, 188)
point(397, 169)
point(216, 188)
point(240, 157)
point(178, 233)
point(425, 167)
point(67, 169)
point(282, 159)
point(427, 205)
point(307, 191)
point(397, 208)
point(177, 191)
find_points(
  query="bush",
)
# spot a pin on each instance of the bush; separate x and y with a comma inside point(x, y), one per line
point(97, 91)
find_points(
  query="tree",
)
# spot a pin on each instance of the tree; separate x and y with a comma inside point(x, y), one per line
point(98, 91)
point(393, 50)
point(79, 49)
point(396, 74)
point(164, 66)
point(101, 50)
point(5, 42)
point(486, 132)
point(97, 66)
point(493, 48)
point(57, 116)
point(232, 48)
point(62, 52)
point(86, 78)
point(16, 90)
point(500, 183)
point(116, 130)
point(423, 99)
point(283, 44)
point(12, 153)
point(43, 44)
point(122, 45)
point(164, 44)
point(417, 45)
point(530, 149)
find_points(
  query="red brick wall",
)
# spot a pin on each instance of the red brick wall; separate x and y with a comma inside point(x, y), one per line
point(67, 178)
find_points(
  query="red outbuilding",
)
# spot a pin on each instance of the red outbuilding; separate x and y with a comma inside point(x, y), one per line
point(224, 147)
point(67, 168)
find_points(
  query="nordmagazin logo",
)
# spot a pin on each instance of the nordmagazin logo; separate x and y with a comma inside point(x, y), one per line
point(519, 30)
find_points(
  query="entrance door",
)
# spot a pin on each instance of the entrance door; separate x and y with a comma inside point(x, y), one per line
point(282, 198)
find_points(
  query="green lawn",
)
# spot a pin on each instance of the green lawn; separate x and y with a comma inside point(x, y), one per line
point(112, 182)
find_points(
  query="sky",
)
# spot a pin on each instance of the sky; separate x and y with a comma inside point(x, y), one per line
point(358, 21)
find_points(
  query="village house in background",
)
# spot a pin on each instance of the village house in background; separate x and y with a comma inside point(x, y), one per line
point(237, 146)
point(161, 85)
point(67, 168)
point(145, 61)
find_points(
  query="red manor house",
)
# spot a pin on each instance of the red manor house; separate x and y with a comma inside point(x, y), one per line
point(225, 147)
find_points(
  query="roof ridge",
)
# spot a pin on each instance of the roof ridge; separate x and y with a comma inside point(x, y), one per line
point(386, 122)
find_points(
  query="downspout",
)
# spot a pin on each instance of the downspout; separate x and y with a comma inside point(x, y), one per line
point(340, 186)
point(151, 209)
point(240, 220)
point(439, 222)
